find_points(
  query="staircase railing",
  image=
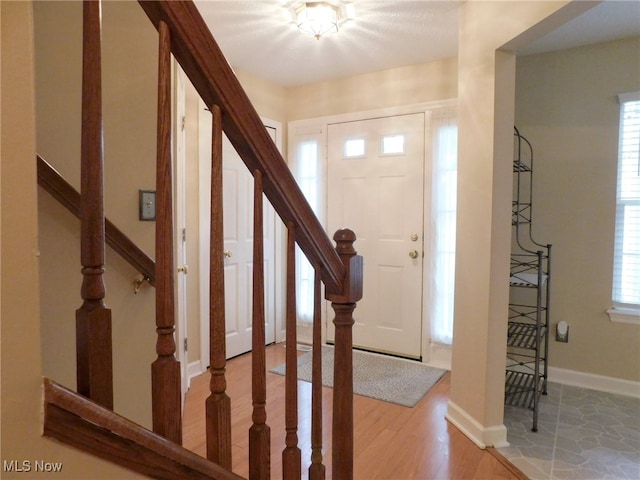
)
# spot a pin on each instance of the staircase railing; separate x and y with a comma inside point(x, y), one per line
point(183, 34)
point(51, 181)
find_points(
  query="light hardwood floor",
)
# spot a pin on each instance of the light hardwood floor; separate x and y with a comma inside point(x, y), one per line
point(391, 442)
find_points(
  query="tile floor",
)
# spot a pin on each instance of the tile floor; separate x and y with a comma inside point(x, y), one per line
point(582, 435)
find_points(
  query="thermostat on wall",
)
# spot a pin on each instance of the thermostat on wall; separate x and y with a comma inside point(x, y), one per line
point(147, 204)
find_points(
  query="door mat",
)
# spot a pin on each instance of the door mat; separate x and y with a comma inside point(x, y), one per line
point(396, 380)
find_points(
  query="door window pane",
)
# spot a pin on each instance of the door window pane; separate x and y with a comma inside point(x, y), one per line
point(393, 144)
point(354, 147)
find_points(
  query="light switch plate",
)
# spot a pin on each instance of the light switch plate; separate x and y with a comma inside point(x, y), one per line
point(147, 199)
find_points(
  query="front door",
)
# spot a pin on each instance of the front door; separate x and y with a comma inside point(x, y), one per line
point(375, 187)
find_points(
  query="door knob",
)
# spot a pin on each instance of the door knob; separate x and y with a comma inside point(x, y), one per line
point(413, 254)
point(227, 254)
point(414, 237)
point(184, 269)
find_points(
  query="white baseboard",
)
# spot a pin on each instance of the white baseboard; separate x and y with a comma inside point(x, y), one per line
point(483, 437)
point(193, 370)
point(592, 381)
point(439, 356)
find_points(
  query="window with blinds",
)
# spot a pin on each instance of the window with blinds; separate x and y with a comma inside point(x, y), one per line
point(626, 264)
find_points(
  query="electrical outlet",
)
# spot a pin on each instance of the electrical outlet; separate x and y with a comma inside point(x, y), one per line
point(562, 332)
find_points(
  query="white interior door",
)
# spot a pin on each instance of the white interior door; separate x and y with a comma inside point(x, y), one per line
point(180, 229)
point(238, 263)
point(375, 187)
point(238, 247)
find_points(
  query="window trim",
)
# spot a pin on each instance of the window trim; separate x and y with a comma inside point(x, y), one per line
point(623, 312)
point(624, 315)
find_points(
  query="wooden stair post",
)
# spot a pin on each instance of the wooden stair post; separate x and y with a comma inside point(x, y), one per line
point(317, 470)
point(291, 455)
point(165, 370)
point(344, 304)
point(260, 432)
point(93, 318)
point(218, 405)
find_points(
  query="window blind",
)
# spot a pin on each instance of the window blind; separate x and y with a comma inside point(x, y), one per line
point(626, 264)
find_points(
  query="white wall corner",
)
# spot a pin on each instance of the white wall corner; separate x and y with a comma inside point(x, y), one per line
point(193, 370)
point(592, 381)
point(483, 437)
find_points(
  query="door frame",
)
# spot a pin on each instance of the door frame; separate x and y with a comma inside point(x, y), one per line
point(203, 245)
point(431, 353)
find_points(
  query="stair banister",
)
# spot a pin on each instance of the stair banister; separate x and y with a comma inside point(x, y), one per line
point(204, 64)
point(208, 70)
point(50, 180)
point(183, 33)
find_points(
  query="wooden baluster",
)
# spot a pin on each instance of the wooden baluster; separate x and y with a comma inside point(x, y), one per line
point(93, 318)
point(344, 304)
point(165, 371)
point(291, 456)
point(218, 404)
point(260, 432)
point(316, 469)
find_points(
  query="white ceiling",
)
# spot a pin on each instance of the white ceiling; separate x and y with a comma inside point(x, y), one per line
point(257, 36)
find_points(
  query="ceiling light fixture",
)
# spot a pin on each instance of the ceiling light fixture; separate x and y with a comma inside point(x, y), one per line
point(319, 19)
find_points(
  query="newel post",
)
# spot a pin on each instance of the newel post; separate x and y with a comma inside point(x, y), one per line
point(344, 303)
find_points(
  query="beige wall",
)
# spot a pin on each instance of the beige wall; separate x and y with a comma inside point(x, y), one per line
point(268, 98)
point(567, 108)
point(129, 110)
point(388, 88)
point(486, 88)
point(20, 312)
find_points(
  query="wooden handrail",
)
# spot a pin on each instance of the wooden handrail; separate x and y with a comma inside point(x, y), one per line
point(84, 424)
point(203, 62)
point(51, 181)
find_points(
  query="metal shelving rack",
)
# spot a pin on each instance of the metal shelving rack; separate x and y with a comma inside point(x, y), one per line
point(530, 282)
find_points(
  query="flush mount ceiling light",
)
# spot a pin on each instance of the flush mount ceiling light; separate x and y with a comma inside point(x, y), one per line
point(319, 19)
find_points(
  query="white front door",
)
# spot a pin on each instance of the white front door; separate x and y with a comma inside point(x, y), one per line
point(375, 187)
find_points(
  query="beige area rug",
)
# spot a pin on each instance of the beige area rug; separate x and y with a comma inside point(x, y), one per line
point(382, 377)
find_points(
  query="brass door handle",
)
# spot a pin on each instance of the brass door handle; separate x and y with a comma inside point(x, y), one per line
point(184, 269)
point(413, 254)
point(227, 254)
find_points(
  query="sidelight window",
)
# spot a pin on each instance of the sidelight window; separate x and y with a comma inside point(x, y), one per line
point(444, 188)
